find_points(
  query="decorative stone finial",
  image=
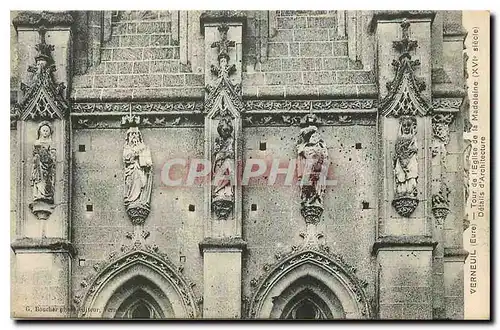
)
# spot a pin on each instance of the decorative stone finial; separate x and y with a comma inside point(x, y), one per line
point(43, 98)
point(222, 46)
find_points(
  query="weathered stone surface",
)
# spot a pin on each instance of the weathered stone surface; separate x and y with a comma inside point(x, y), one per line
point(288, 63)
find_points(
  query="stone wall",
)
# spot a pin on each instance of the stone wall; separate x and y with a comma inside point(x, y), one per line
point(350, 206)
point(144, 56)
point(139, 61)
point(99, 220)
point(307, 55)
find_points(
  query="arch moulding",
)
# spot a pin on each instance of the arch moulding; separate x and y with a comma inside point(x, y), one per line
point(319, 264)
point(143, 262)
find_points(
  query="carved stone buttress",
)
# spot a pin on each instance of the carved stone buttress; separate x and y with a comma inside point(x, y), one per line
point(405, 102)
point(223, 105)
point(43, 101)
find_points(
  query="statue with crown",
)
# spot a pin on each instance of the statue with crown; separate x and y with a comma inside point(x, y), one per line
point(138, 176)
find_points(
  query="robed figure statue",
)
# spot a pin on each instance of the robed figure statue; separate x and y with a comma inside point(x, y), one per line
point(405, 160)
point(138, 176)
point(405, 167)
point(312, 170)
point(223, 169)
point(44, 164)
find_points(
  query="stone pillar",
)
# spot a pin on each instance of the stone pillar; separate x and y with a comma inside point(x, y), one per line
point(42, 246)
point(223, 245)
point(454, 174)
point(404, 244)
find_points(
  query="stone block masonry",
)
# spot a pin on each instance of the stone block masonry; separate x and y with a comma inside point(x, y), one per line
point(306, 54)
point(139, 61)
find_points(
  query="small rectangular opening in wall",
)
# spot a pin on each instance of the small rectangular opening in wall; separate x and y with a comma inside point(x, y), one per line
point(262, 146)
point(81, 147)
point(358, 145)
point(90, 208)
point(366, 205)
point(81, 262)
point(191, 208)
point(254, 207)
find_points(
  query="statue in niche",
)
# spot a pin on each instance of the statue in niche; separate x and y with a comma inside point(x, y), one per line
point(44, 165)
point(138, 176)
point(406, 167)
point(312, 169)
point(223, 167)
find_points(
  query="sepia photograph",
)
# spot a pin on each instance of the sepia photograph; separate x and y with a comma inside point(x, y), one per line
point(250, 164)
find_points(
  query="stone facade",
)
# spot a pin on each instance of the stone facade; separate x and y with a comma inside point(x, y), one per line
point(102, 101)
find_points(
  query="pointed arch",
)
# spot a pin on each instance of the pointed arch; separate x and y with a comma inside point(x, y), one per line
point(43, 98)
point(135, 293)
point(313, 276)
point(224, 89)
point(404, 96)
point(163, 289)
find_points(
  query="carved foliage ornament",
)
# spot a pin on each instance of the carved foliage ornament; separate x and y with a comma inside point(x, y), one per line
point(138, 176)
point(44, 98)
point(404, 96)
point(405, 167)
point(441, 203)
point(196, 107)
point(47, 18)
point(158, 107)
point(441, 126)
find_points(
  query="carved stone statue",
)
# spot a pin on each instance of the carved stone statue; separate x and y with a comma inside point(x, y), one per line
point(312, 170)
point(138, 176)
point(223, 167)
point(406, 167)
point(43, 172)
